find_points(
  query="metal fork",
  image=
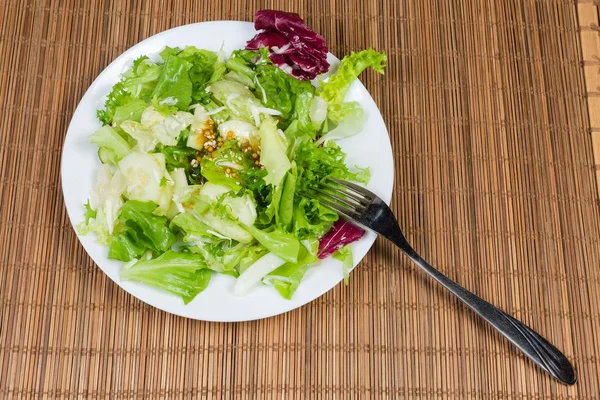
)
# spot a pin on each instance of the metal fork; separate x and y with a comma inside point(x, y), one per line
point(362, 206)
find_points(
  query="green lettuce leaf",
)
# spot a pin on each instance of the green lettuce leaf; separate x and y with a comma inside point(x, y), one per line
point(174, 86)
point(285, 210)
point(279, 242)
point(312, 219)
point(273, 154)
point(141, 230)
point(183, 274)
point(141, 78)
point(287, 278)
point(240, 63)
point(136, 83)
point(316, 163)
point(350, 117)
point(221, 254)
point(131, 110)
point(346, 119)
point(108, 138)
point(345, 256)
point(253, 181)
point(284, 93)
point(181, 156)
point(89, 212)
point(334, 90)
point(229, 156)
point(207, 67)
point(238, 100)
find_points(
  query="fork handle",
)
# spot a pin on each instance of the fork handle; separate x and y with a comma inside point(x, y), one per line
point(529, 342)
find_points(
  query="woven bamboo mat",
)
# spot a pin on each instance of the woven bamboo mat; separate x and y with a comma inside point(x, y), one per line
point(486, 105)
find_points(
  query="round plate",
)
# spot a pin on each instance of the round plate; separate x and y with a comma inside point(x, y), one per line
point(217, 303)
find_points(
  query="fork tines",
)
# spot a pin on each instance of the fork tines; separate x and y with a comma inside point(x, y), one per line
point(345, 197)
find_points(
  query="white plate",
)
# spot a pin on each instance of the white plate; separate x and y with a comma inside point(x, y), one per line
point(217, 303)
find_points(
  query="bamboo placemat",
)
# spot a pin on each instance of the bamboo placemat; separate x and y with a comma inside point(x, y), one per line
point(486, 105)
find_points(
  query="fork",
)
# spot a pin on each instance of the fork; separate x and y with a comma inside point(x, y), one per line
point(365, 208)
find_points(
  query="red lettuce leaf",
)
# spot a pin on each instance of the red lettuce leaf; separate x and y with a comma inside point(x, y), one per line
point(267, 39)
point(292, 45)
point(341, 234)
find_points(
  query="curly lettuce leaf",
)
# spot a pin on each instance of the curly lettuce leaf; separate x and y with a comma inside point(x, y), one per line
point(89, 212)
point(124, 99)
point(345, 119)
point(317, 162)
point(335, 89)
point(312, 219)
point(314, 164)
point(282, 92)
point(207, 67)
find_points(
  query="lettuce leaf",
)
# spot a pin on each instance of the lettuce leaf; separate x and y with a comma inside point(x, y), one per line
point(131, 110)
point(351, 117)
point(282, 92)
point(89, 212)
point(137, 83)
point(255, 272)
point(101, 214)
point(279, 242)
point(312, 219)
point(316, 163)
point(273, 154)
point(229, 156)
point(285, 212)
point(334, 90)
point(345, 256)
point(238, 100)
point(287, 278)
point(342, 233)
point(108, 138)
point(174, 86)
point(241, 63)
point(181, 156)
point(207, 67)
point(292, 45)
point(220, 254)
point(347, 119)
point(141, 230)
point(183, 274)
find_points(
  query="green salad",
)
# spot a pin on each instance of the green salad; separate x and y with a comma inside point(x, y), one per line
point(207, 167)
